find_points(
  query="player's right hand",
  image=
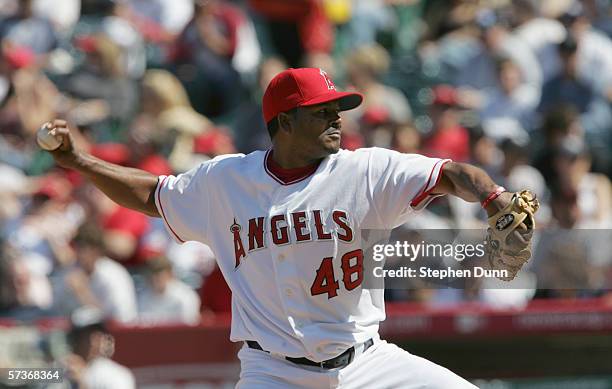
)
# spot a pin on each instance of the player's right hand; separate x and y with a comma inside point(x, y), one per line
point(66, 154)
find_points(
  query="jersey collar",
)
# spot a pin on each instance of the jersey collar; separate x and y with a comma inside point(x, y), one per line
point(287, 176)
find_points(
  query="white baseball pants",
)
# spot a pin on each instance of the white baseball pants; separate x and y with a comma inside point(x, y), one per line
point(382, 366)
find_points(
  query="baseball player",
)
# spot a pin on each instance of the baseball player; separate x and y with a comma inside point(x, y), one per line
point(285, 225)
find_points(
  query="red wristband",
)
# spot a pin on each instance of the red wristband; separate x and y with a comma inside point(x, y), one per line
point(492, 196)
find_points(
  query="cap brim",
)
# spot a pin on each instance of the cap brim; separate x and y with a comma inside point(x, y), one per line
point(347, 100)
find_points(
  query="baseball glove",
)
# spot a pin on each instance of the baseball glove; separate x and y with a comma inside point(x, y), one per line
point(508, 241)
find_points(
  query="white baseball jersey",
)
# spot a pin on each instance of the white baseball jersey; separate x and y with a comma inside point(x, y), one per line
point(291, 252)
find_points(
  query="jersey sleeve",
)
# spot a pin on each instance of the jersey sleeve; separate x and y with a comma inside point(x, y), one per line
point(401, 183)
point(184, 204)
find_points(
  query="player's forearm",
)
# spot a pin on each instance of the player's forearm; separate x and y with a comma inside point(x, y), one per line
point(466, 181)
point(131, 188)
point(469, 183)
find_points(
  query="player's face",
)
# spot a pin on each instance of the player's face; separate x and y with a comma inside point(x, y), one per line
point(317, 129)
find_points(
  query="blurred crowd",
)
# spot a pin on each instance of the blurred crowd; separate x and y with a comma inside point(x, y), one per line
point(520, 88)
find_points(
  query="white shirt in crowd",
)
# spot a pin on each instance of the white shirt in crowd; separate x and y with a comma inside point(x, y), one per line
point(543, 36)
point(178, 304)
point(172, 15)
point(63, 14)
point(595, 60)
point(103, 373)
point(113, 287)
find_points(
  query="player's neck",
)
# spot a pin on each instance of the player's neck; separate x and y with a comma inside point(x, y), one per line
point(291, 159)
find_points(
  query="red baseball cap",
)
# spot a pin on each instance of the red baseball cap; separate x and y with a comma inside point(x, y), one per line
point(19, 56)
point(86, 43)
point(303, 87)
point(444, 95)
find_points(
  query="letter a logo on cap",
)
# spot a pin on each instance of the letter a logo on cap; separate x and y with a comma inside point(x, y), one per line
point(328, 81)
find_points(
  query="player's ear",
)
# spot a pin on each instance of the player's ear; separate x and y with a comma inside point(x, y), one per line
point(285, 121)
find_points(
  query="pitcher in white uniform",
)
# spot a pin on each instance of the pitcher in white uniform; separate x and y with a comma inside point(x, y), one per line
point(285, 225)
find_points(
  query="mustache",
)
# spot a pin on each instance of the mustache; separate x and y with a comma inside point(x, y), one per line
point(334, 127)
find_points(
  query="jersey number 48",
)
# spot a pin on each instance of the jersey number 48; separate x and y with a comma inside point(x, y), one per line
point(352, 274)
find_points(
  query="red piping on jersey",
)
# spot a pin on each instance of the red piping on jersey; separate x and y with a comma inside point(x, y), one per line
point(269, 168)
point(161, 208)
point(415, 202)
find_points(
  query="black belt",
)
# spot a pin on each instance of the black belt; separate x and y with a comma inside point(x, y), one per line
point(340, 361)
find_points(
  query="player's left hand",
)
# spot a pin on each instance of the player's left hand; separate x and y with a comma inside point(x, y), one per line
point(508, 241)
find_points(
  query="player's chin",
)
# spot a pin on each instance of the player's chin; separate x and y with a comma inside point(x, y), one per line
point(332, 146)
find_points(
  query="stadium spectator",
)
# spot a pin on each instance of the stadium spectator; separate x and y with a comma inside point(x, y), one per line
point(516, 155)
point(250, 130)
point(14, 61)
point(166, 300)
point(511, 98)
point(364, 20)
point(569, 88)
point(123, 234)
point(221, 30)
point(541, 34)
point(208, 46)
point(599, 14)
point(167, 119)
point(557, 124)
point(516, 173)
point(448, 139)
point(561, 257)
point(295, 28)
point(406, 139)
point(30, 99)
point(36, 234)
point(572, 163)
point(14, 188)
point(191, 261)
point(102, 76)
point(383, 104)
point(36, 99)
point(92, 345)
point(496, 40)
point(484, 151)
point(25, 29)
point(24, 294)
point(110, 18)
point(161, 19)
point(97, 281)
point(62, 14)
point(129, 238)
point(594, 55)
point(591, 65)
point(449, 40)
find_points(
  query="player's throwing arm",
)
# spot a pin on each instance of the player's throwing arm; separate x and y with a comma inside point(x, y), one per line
point(131, 188)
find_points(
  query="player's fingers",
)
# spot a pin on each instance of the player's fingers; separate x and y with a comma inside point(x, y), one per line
point(63, 134)
point(61, 131)
point(58, 123)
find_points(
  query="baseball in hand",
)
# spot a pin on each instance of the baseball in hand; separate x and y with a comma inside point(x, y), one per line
point(46, 138)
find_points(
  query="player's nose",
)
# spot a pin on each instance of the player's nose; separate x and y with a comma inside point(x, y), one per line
point(337, 122)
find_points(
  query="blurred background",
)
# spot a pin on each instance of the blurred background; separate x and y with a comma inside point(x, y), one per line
point(520, 88)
